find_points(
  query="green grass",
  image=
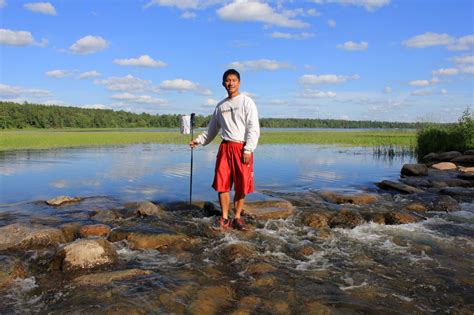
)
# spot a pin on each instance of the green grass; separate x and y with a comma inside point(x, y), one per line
point(45, 139)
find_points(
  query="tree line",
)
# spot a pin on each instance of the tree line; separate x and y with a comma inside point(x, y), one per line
point(20, 116)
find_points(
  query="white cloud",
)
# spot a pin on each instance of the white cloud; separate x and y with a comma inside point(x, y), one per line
point(387, 90)
point(88, 74)
point(95, 106)
point(420, 83)
point(311, 79)
point(352, 46)
point(301, 36)
point(444, 91)
point(332, 23)
point(211, 102)
point(127, 83)
point(19, 38)
point(41, 7)
point(140, 99)
point(316, 94)
point(21, 94)
point(252, 11)
point(89, 44)
point(188, 15)
point(369, 5)
point(57, 73)
point(462, 43)
point(3, 3)
point(463, 59)
point(262, 64)
point(142, 61)
point(313, 12)
point(447, 71)
point(179, 85)
point(180, 4)
point(430, 39)
point(468, 69)
point(422, 92)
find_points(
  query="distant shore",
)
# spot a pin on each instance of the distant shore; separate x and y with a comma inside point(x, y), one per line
point(60, 138)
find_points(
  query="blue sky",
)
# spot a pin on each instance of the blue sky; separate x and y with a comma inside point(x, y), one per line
point(392, 60)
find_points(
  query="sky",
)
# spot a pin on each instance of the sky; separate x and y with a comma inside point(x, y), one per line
point(385, 60)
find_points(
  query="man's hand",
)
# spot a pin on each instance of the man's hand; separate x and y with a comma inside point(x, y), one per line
point(246, 157)
point(193, 144)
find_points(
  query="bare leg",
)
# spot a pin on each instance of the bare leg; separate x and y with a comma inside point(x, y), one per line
point(239, 202)
point(224, 200)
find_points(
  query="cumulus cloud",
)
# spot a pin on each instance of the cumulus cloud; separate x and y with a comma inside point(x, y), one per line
point(89, 45)
point(140, 99)
point(188, 15)
point(428, 39)
point(446, 71)
point(311, 79)
point(142, 61)
point(88, 74)
point(300, 36)
point(332, 23)
point(262, 64)
point(41, 7)
point(420, 83)
point(352, 46)
point(316, 94)
point(127, 83)
point(58, 74)
point(463, 59)
point(179, 85)
point(467, 69)
point(462, 43)
point(19, 38)
point(253, 11)
point(20, 94)
point(369, 5)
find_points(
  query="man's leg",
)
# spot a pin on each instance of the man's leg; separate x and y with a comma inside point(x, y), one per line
point(224, 200)
point(239, 202)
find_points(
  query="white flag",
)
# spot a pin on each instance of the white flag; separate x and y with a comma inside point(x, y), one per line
point(185, 127)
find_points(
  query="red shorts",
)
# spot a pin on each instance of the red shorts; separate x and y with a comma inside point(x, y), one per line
point(231, 170)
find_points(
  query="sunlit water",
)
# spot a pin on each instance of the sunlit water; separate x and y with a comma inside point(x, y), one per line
point(419, 268)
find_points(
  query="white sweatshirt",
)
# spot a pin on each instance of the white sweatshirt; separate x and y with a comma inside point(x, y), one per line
point(237, 117)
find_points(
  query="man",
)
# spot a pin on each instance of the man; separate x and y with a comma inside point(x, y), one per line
point(237, 118)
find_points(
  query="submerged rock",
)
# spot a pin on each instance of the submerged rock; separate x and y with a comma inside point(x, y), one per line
point(416, 207)
point(22, 237)
point(211, 300)
point(107, 277)
point(94, 230)
point(159, 241)
point(359, 199)
point(10, 269)
point(398, 217)
point(346, 219)
point(272, 209)
point(444, 166)
point(400, 187)
point(414, 170)
point(62, 200)
point(237, 252)
point(86, 254)
point(316, 219)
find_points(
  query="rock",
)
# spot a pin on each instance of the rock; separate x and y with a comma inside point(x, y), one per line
point(466, 170)
point(316, 219)
point(247, 305)
point(22, 237)
point(105, 215)
point(306, 251)
point(468, 152)
point(467, 176)
point(94, 230)
point(403, 188)
point(62, 200)
point(316, 308)
point(236, 252)
point(444, 166)
point(263, 281)
point(10, 269)
point(378, 218)
point(464, 160)
point(272, 209)
point(448, 156)
point(159, 241)
point(260, 268)
point(418, 182)
point(86, 254)
point(416, 207)
point(414, 170)
point(211, 300)
point(359, 199)
point(431, 157)
point(107, 277)
point(346, 219)
point(145, 208)
point(398, 217)
point(70, 231)
point(445, 203)
point(461, 193)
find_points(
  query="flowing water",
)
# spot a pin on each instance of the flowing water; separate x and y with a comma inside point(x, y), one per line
point(279, 267)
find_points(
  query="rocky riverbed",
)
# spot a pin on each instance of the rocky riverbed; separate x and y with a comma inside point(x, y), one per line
point(406, 247)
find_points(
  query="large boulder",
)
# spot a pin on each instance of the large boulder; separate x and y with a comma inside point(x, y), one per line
point(62, 200)
point(448, 156)
point(107, 277)
point(23, 237)
point(270, 209)
point(431, 157)
point(399, 217)
point(400, 187)
point(465, 160)
point(346, 219)
point(10, 269)
point(86, 254)
point(414, 170)
point(443, 166)
point(359, 199)
point(468, 152)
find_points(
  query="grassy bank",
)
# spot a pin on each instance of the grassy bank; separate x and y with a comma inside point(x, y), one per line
point(44, 139)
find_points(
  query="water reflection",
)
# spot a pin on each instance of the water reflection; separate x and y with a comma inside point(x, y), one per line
point(161, 172)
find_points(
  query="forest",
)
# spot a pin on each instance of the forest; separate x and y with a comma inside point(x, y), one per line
point(23, 116)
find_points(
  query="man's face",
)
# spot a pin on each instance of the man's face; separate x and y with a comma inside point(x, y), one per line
point(231, 84)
